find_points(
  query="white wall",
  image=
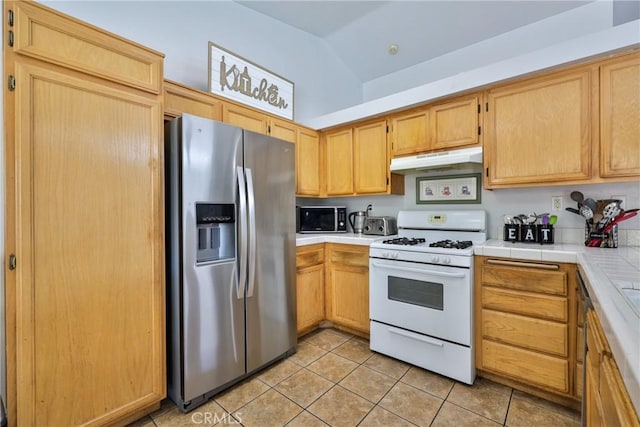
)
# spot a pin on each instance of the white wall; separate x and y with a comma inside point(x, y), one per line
point(497, 203)
point(182, 29)
point(591, 18)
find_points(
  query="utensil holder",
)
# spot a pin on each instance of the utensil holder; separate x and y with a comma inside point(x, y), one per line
point(529, 233)
point(600, 239)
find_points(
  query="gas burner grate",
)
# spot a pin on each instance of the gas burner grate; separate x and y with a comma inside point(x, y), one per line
point(451, 244)
point(404, 241)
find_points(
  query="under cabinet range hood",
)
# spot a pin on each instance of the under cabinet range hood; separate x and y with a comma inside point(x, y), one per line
point(439, 160)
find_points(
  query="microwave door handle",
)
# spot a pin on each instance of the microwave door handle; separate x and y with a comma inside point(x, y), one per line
point(252, 232)
point(242, 250)
point(419, 270)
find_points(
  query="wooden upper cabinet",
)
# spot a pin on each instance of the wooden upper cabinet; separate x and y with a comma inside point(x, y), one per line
point(539, 132)
point(308, 166)
point(282, 129)
point(455, 123)
point(409, 133)
point(339, 162)
point(620, 117)
point(180, 99)
point(243, 117)
point(371, 158)
point(50, 36)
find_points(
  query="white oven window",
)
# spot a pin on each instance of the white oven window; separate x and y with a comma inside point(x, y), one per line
point(416, 292)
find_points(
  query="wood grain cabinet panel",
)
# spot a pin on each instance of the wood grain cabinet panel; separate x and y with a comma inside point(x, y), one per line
point(619, 113)
point(522, 278)
point(528, 366)
point(339, 162)
point(282, 129)
point(246, 118)
point(50, 36)
point(309, 287)
point(455, 123)
point(371, 158)
point(347, 286)
point(308, 163)
point(410, 132)
point(526, 303)
point(540, 131)
point(535, 334)
point(180, 99)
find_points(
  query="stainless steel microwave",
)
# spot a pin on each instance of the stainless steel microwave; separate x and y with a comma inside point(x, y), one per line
point(321, 219)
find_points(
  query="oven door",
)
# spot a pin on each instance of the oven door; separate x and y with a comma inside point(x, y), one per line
point(430, 299)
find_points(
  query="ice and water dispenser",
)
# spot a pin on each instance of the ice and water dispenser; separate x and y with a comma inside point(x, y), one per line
point(216, 227)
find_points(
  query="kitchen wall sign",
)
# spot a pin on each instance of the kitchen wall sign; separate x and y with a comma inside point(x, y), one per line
point(448, 189)
point(239, 79)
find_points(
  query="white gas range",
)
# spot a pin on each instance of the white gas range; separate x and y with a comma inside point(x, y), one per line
point(421, 291)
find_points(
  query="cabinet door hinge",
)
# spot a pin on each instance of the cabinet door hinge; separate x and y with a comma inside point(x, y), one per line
point(479, 109)
point(12, 83)
point(486, 106)
point(10, 38)
point(479, 130)
point(387, 181)
point(269, 129)
point(487, 172)
point(12, 262)
point(387, 128)
point(10, 17)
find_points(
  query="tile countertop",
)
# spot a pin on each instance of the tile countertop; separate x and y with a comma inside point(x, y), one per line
point(612, 279)
point(344, 238)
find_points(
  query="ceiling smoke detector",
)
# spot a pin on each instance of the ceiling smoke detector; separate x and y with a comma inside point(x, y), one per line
point(393, 49)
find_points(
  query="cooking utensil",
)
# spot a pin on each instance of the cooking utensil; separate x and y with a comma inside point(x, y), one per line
point(553, 219)
point(545, 220)
point(573, 210)
point(578, 197)
point(508, 220)
point(591, 203)
point(587, 213)
point(619, 219)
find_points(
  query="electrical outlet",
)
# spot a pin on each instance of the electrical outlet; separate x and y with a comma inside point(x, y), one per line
point(623, 200)
point(556, 203)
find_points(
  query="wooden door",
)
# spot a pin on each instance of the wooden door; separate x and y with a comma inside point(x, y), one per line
point(539, 131)
point(455, 123)
point(282, 129)
point(245, 118)
point(308, 164)
point(347, 286)
point(87, 213)
point(339, 162)
point(409, 133)
point(620, 117)
point(371, 158)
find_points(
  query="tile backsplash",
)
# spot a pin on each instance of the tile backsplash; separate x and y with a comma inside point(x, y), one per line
point(497, 203)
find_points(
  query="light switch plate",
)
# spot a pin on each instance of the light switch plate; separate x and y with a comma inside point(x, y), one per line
point(556, 203)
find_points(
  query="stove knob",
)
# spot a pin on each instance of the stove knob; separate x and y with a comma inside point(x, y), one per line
point(385, 254)
point(435, 259)
point(446, 260)
point(395, 255)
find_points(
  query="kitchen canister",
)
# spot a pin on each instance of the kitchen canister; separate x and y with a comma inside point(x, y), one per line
point(529, 233)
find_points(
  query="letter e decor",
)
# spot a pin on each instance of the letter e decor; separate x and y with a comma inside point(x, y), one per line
point(238, 79)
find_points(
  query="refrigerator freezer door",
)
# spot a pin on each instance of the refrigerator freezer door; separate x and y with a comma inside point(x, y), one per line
point(212, 300)
point(271, 299)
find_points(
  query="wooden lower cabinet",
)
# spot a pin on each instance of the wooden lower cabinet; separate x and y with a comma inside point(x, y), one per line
point(309, 286)
point(525, 326)
point(607, 400)
point(347, 286)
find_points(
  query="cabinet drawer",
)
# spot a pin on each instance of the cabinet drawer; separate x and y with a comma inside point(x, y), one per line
point(525, 279)
point(347, 257)
point(527, 332)
point(544, 306)
point(527, 366)
point(308, 257)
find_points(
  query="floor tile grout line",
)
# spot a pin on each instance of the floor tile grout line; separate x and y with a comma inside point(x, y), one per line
point(506, 415)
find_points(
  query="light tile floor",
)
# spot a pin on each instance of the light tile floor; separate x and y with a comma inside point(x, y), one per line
point(335, 380)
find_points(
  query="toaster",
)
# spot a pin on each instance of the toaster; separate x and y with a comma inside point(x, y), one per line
point(380, 225)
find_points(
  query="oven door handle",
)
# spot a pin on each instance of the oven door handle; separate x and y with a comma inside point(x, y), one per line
point(418, 338)
point(418, 270)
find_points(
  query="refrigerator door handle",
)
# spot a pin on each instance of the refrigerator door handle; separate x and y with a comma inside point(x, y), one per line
point(252, 232)
point(243, 231)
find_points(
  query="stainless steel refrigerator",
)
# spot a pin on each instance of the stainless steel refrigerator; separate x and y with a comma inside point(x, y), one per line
point(230, 221)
